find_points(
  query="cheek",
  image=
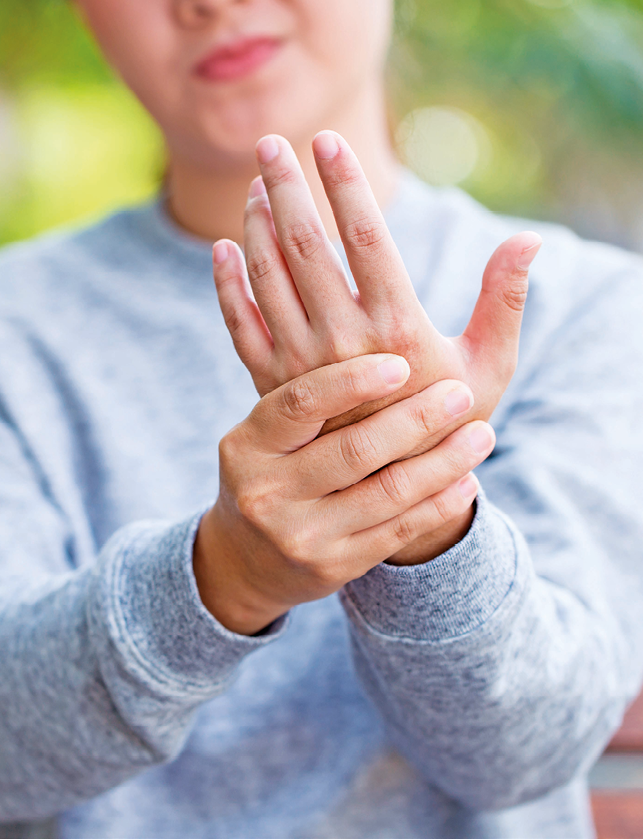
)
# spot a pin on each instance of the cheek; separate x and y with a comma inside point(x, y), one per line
point(349, 35)
point(139, 41)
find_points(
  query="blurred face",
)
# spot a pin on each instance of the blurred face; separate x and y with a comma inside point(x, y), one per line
point(218, 74)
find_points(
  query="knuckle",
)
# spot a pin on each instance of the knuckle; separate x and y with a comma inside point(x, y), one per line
point(423, 418)
point(442, 509)
point(365, 233)
point(291, 362)
point(303, 546)
point(351, 381)
point(457, 457)
point(395, 484)
point(254, 502)
point(297, 546)
point(280, 176)
point(358, 449)
point(343, 346)
point(347, 380)
point(226, 278)
point(404, 530)
point(256, 208)
point(354, 381)
point(229, 450)
point(398, 325)
point(235, 324)
point(262, 265)
point(342, 175)
point(514, 293)
point(302, 240)
point(299, 400)
point(327, 576)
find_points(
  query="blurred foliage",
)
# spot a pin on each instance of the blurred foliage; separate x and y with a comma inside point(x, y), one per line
point(533, 106)
point(556, 86)
point(73, 141)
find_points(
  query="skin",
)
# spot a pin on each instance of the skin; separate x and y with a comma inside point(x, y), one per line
point(327, 75)
point(299, 516)
point(346, 461)
point(298, 313)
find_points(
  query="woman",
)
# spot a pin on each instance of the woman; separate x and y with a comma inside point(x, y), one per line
point(175, 659)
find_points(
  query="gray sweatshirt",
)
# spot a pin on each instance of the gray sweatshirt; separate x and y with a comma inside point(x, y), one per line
point(461, 699)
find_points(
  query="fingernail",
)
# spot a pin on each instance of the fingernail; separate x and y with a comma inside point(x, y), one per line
point(457, 402)
point(394, 370)
point(468, 487)
point(267, 149)
point(257, 187)
point(532, 245)
point(481, 439)
point(220, 252)
point(325, 145)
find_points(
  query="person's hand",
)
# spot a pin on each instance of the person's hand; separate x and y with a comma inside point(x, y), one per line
point(298, 312)
point(300, 515)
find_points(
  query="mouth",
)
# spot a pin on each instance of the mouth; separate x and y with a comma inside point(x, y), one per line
point(237, 59)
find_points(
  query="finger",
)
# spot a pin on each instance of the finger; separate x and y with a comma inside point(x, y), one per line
point(348, 455)
point(495, 324)
point(292, 415)
point(241, 314)
point(376, 264)
point(398, 487)
point(268, 273)
point(378, 543)
point(314, 263)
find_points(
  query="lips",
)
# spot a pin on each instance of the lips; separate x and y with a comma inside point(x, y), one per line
point(238, 59)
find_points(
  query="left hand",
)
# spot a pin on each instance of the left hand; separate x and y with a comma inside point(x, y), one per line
point(302, 313)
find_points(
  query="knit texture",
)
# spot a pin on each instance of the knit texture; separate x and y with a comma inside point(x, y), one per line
point(461, 699)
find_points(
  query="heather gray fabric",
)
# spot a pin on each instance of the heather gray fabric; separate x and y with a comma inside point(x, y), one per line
point(461, 699)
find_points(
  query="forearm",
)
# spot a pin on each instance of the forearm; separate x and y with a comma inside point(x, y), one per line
point(102, 670)
point(496, 684)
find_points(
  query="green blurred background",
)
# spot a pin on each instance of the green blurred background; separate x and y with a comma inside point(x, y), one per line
point(535, 107)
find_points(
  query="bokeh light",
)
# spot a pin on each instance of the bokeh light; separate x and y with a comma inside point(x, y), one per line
point(445, 146)
point(71, 153)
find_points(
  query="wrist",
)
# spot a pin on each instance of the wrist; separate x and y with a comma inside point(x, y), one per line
point(222, 588)
point(434, 544)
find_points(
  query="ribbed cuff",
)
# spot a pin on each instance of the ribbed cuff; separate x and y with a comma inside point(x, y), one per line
point(155, 615)
point(446, 597)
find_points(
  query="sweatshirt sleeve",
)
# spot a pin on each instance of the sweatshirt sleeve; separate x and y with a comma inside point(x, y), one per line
point(101, 667)
point(502, 667)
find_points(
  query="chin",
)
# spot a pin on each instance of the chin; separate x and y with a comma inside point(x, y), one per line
point(228, 135)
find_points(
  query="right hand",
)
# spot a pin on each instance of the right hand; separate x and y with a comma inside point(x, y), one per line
point(299, 516)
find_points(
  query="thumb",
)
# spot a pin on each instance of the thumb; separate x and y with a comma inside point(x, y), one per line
point(293, 414)
point(495, 324)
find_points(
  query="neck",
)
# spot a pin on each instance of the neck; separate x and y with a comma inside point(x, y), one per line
point(209, 203)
